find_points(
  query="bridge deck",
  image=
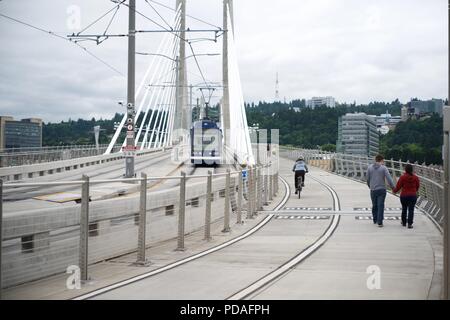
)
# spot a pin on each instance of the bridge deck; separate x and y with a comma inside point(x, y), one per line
point(409, 260)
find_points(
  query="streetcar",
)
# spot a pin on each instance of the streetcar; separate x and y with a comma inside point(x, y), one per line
point(206, 143)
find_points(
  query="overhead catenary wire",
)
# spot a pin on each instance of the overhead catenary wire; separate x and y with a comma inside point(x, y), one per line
point(187, 15)
point(175, 34)
point(156, 11)
point(63, 38)
point(101, 17)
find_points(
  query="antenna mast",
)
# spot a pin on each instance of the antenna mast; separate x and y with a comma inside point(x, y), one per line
point(277, 89)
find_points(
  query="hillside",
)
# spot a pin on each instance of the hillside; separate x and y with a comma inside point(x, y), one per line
point(413, 140)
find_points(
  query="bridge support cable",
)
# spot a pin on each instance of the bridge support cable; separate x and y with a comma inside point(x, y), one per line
point(165, 125)
point(155, 111)
point(163, 67)
point(168, 102)
point(239, 141)
point(160, 108)
point(168, 47)
point(162, 115)
point(168, 141)
point(159, 114)
point(163, 48)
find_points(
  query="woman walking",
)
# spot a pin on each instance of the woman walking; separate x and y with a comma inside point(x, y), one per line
point(409, 184)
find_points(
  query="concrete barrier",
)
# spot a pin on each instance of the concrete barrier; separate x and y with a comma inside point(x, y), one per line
point(40, 169)
point(113, 230)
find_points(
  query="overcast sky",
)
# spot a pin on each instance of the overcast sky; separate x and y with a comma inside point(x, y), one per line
point(359, 50)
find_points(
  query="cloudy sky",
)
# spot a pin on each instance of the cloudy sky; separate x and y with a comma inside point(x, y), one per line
point(361, 50)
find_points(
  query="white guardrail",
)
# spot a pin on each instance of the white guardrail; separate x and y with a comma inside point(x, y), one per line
point(42, 242)
point(430, 197)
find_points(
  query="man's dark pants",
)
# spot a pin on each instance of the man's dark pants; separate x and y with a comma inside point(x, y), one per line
point(378, 197)
point(408, 204)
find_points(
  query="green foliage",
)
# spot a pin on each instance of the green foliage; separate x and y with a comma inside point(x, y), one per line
point(328, 147)
point(79, 132)
point(415, 140)
point(309, 128)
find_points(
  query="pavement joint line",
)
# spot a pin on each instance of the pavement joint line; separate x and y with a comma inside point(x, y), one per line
point(188, 259)
point(290, 264)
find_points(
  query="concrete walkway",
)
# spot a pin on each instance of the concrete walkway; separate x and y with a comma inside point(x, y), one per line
point(408, 259)
point(339, 269)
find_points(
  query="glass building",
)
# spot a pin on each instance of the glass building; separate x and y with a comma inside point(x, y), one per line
point(358, 135)
point(20, 134)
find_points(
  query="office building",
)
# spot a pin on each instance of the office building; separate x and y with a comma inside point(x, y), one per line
point(321, 101)
point(25, 133)
point(386, 122)
point(358, 135)
point(426, 107)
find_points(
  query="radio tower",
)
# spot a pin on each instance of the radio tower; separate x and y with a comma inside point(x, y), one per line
point(277, 91)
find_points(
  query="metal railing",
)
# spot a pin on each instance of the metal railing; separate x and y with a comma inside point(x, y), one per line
point(431, 192)
point(40, 242)
point(24, 156)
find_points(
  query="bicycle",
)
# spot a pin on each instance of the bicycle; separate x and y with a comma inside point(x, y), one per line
point(299, 186)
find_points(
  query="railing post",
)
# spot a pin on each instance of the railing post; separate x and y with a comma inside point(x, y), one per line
point(361, 170)
point(355, 173)
point(226, 218)
point(84, 229)
point(1, 234)
point(259, 194)
point(270, 183)
point(275, 182)
point(141, 260)
point(181, 212)
point(266, 187)
point(208, 207)
point(394, 172)
point(239, 199)
point(250, 193)
point(256, 189)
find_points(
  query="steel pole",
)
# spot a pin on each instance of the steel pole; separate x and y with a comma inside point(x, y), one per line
point(446, 208)
point(178, 102)
point(141, 260)
point(129, 159)
point(226, 220)
point(182, 212)
point(239, 200)
point(249, 193)
point(225, 77)
point(1, 233)
point(84, 229)
point(182, 70)
point(208, 207)
point(189, 115)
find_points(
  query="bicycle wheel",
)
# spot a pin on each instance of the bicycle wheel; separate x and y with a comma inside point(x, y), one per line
point(299, 188)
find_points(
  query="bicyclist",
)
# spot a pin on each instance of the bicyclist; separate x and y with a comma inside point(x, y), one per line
point(300, 168)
